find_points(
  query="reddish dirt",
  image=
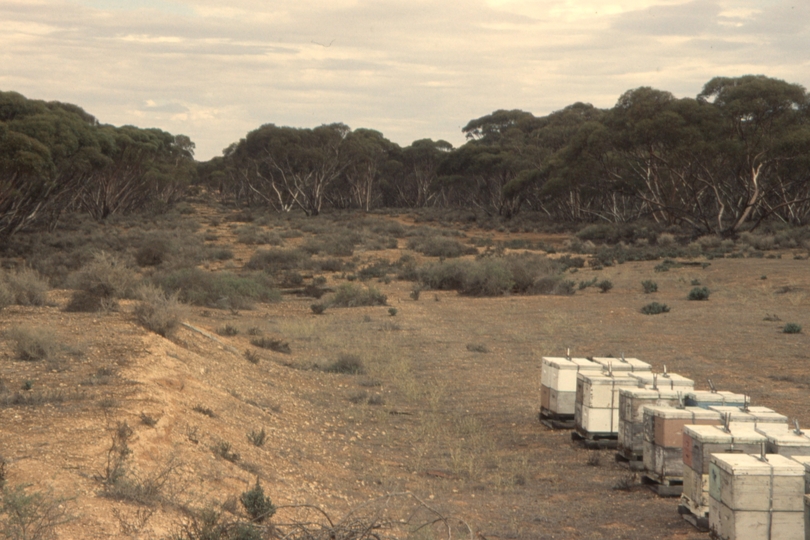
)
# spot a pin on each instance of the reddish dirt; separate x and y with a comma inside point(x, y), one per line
point(457, 427)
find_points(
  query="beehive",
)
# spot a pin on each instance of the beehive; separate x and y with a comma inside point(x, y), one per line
point(597, 402)
point(622, 364)
point(706, 399)
point(784, 440)
point(631, 416)
point(558, 383)
point(663, 437)
point(752, 415)
point(699, 442)
point(663, 381)
point(751, 499)
point(805, 461)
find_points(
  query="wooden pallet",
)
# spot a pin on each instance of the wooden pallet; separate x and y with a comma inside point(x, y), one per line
point(701, 523)
point(625, 458)
point(595, 441)
point(696, 515)
point(663, 486)
point(556, 421)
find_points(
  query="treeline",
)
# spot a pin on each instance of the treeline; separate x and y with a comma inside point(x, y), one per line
point(737, 154)
point(55, 157)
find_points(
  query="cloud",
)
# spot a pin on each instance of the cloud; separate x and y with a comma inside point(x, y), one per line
point(410, 69)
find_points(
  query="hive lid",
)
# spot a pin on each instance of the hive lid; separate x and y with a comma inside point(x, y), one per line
point(687, 413)
point(628, 364)
point(748, 465)
point(804, 460)
point(788, 437)
point(717, 434)
point(661, 380)
point(648, 393)
point(721, 396)
point(595, 379)
point(561, 363)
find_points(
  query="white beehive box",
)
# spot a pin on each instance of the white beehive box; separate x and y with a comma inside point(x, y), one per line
point(558, 383)
point(619, 364)
point(753, 415)
point(784, 440)
point(631, 415)
point(751, 499)
point(699, 442)
point(597, 406)
point(706, 399)
point(805, 461)
point(660, 381)
point(599, 391)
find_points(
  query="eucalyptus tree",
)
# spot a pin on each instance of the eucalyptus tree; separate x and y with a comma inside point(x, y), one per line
point(366, 154)
point(291, 167)
point(765, 130)
point(420, 162)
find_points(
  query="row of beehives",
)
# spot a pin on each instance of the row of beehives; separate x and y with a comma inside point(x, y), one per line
point(709, 445)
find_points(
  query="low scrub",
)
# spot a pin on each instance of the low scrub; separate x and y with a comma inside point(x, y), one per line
point(494, 276)
point(101, 283)
point(157, 311)
point(353, 295)
point(223, 290)
point(649, 286)
point(440, 246)
point(792, 328)
point(654, 308)
point(348, 364)
point(698, 293)
point(275, 261)
point(33, 343)
point(24, 287)
point(271, 344)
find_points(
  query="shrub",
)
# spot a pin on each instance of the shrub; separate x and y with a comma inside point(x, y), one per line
point(791, 328)
point(30, 515)
point(585, 284)
point(275, 261)
point(477, 347)
point(218, 289)
point(392, 311)
point(351, 295)
point(272, 344)
point(100, 283)
point(223, 450)
point(204, 410)
point(649, 286)
point(605, 285)
point(439, 246)
point(33, 343)
point(228, 330)
point(257, 438)
point(252, 357)
point(153, 252)
point(24, 287)
point(415, 292)
point(105, 276)
point(554, 285)
point(654, 308)
point(318, 308)
point(158, 312)
point(257, 506)
point(348, 364)
point(698, 293)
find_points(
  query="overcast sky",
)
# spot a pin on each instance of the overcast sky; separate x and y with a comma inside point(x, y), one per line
point(412, 69)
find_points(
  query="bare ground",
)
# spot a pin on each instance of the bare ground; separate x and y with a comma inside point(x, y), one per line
point(456, 427)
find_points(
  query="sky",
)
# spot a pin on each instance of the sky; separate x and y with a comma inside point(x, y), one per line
point(412, 69)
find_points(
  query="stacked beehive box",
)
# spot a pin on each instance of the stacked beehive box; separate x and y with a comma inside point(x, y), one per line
point(785, 441)
point(705, 399)
point(597, 403)
point(622, 364)
point(558, 385)
point(699, 442)
point(754, 499)
point(751, 415)
point(663, 439)
point(631, 417)
point(663, 381)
